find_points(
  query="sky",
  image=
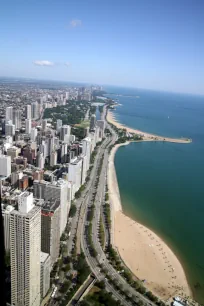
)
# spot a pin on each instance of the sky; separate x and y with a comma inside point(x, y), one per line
point(153, 44)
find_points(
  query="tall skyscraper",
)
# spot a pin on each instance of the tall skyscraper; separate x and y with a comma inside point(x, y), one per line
point(44, 124)
point(34, 133)
point(28, 125)
point(28, 114)
point(6, 217)
point(25, 243)
point(17, 118)
point(9, 129)
point(9, 113)
point(50, 224)
point(65, 130)
point(44, 274)
point(40, 161)
point(56, 190)
point(86, 150)
point(64, 153)
point(53, 158)
point(92, 122)
point(34, 110)
point(75, 173)
point(5, 165)
point(58, 125)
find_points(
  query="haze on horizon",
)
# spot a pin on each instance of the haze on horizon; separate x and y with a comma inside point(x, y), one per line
point(138, 43)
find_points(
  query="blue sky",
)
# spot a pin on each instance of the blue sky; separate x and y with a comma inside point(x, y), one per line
point(154, 44)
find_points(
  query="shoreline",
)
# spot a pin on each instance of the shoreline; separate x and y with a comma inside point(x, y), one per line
point(144, 252)
point(146, 136)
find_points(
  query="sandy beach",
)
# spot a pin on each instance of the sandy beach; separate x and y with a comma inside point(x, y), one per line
point(146, 254)
point(146, 136)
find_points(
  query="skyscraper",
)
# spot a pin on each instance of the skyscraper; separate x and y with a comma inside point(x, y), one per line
point(40, 161)
point(9, 129)
point(6, 217)
point(65, 130)
point(34, 133)
point(92, 122)
point(44, 124)
point(9, 113)
point(53, 158)
point(25, 243)
point(17, 118)
point(34, 110)
point(5, 165)
point(86, 150)
point(28, 112)
point(50, 224)
point(28, 125)
point(56, 190)
point(59, 125)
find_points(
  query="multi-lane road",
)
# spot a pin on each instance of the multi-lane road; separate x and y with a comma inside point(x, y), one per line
point(101, 256)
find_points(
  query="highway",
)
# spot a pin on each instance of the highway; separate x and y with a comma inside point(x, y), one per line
point(101, 257)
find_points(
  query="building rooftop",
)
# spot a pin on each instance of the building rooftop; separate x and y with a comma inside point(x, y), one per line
point(43, 256)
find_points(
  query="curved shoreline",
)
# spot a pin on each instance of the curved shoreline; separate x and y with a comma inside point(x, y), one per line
point(144, 253)
point(146, 136)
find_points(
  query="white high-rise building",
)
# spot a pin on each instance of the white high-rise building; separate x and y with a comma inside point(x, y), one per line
point(44, 273)
point(86, 150)
point(9, 113)
point(9, 129)
point(59, 125)
point(53, 158)
point(25, 244)
point(75, 173)
point(17, 118)
point(40, 160)
point(34, 133)
point(84, 169)
point(28, 114)
point(5, 165)
point(6, 219)
point(28, 126)
point(65, 130)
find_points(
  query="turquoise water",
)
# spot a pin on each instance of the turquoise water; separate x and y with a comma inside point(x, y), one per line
point(162, 184)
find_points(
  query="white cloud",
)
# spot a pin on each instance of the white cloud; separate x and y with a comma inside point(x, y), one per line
point(43, 63)
point(75, 23)
point(67, 64)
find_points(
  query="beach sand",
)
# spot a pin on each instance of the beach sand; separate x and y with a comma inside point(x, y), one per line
point(146, 136)
point(146, 255)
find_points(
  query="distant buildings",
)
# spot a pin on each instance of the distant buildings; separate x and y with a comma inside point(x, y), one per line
point(25, 241)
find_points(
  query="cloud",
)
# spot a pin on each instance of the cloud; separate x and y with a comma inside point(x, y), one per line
point(43, 63)
point(75, 23)
point(67, 64)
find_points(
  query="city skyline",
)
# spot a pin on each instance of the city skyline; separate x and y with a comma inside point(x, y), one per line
point(136, 44)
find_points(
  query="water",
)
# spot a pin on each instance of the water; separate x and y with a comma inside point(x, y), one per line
point(161, 184)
